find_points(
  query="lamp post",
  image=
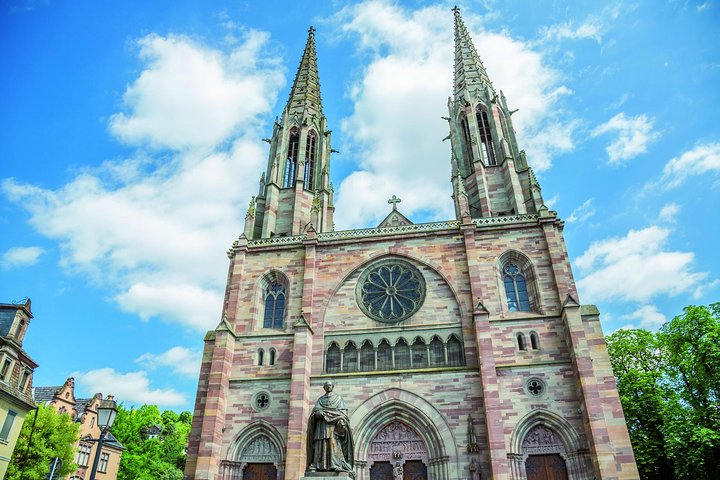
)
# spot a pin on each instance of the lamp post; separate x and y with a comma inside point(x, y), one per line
point(106, 416)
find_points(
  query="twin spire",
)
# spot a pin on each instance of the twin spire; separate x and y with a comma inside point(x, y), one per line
point(489, 174)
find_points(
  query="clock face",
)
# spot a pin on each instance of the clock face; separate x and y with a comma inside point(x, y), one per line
point(390, 291)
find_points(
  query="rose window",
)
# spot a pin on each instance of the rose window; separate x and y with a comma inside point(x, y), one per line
point(390, 291)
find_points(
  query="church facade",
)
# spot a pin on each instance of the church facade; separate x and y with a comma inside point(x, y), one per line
point(460, 347)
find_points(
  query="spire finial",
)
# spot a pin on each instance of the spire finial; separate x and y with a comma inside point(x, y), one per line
point(456, 10)
point(311, 30)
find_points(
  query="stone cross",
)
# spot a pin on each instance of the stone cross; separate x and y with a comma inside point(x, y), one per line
point(394, 200)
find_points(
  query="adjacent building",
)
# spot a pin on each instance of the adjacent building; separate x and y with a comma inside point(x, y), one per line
point(84, 412)
point(460, 347)
point(16, 372)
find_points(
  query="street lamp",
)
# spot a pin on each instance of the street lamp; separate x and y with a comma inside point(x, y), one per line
point(107, 411)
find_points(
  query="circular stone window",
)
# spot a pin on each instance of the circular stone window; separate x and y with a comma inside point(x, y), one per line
point(535, 387)
point(390, 291)
point(260, 401)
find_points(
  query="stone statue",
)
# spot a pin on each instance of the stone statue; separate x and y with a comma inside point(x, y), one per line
point(330, 442)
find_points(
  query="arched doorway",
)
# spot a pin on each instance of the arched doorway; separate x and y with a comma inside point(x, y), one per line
point(543, 448)
point(258, 459)
point(397, 453)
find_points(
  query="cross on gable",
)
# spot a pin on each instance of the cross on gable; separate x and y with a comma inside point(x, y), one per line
point(394, 200)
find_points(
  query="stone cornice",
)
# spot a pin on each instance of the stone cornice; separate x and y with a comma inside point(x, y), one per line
point(364, 233)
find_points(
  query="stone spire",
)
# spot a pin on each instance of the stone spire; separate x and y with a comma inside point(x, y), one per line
point(295, 189)
point(470, 72)
point(305, 92)
point(490, 175)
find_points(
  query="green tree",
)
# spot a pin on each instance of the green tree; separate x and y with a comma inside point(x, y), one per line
point(54, 436)
point(151, 458)
point(639, 367)
point(669, 384)
point(691, 342)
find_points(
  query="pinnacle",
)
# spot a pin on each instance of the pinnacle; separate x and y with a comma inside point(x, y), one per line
point(470, 72)
point(305, 92)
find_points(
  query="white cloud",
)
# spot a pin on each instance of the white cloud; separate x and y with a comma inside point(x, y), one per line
point(403, 91)
point(668, 212)
point(590, 28)
point(649, 316)
point(155, 230)
point(551, 202)
point(131, 387)
point(181, 360)
point(700, 160)
point(190, 95)
point(582, 212)
point(702, 7)
point(21, 256)
point(634, 134)
point(636, 268)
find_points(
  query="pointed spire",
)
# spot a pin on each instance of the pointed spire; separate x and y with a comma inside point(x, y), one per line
point(305, 92)
point(470, 74)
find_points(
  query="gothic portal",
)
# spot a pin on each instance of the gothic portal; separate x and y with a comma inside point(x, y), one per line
point(460, 347)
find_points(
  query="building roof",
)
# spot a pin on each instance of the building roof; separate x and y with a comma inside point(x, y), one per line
point(44, 394)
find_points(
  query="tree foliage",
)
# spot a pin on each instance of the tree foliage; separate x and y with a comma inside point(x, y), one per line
point(669, 385)
point(152, 458)
point(54, 436)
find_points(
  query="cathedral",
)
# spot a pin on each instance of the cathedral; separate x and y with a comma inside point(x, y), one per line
point(460, 347)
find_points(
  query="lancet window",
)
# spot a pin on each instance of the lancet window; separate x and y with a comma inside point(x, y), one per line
point(291, 163)
point(486, 140)
point(454, 352)
point(274, 305)
point(400, 356)
point(350, 358)
point(467, 142)
point(419, 354)
point(310, 154)
point(516, 290)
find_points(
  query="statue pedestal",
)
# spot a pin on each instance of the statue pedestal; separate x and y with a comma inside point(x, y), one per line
point(326, 475)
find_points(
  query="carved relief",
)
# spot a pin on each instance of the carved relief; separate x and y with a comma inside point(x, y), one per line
point(541, 439)
point(397, 441)
point(259, 450)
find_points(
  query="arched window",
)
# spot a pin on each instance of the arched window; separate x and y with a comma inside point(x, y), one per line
point(292, 158)
point(402, 354)
point(367, 357)
point(534, 341)
point(271, 360)
point(485, 136)
point(384, 356)
point(260, 356)
point(437, 353)
point(310, 153)
point(521, 341)
point(419, 354)
point(515, 289)
point(467, 142)
point(332, 359)
point(454, 350)
point(274, 305)
point(350, 358)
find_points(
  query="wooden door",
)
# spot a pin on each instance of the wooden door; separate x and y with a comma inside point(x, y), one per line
point(414, 470)
point(260, 471)
point(545, 467)
point(381, 471)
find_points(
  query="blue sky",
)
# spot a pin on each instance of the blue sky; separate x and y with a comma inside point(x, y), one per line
point(130, 146)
